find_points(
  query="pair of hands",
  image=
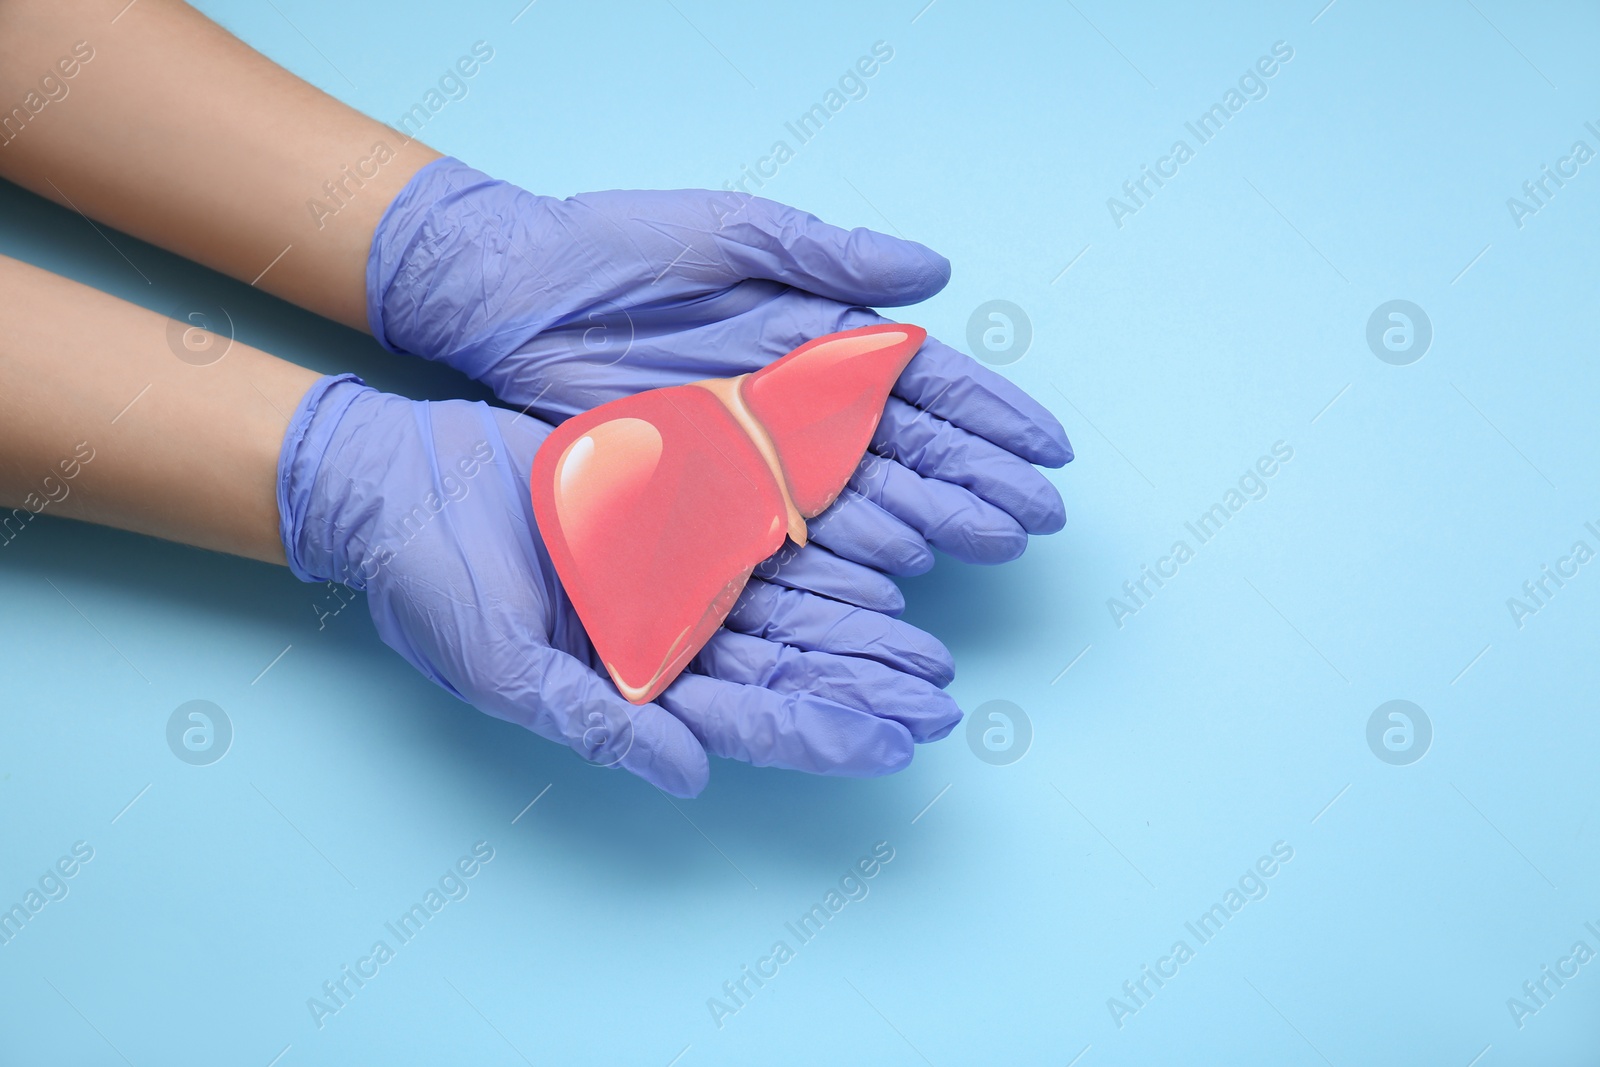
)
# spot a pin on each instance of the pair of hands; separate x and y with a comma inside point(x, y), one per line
point(562, 305)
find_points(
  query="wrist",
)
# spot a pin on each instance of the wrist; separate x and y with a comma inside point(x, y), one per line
point(320, 519)
point(448, 274)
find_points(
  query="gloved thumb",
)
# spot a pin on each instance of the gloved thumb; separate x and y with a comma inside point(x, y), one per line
point(769, 240)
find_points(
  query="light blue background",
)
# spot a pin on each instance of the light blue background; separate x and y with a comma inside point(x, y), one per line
point(1223, 717)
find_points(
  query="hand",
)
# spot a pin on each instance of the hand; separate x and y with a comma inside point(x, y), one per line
point(426, 506)
point(562, 305)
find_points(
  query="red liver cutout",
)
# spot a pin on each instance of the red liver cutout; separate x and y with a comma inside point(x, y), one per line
point(657, 507)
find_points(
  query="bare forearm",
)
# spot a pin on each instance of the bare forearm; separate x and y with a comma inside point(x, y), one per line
point(177, 132)
point(101, 420)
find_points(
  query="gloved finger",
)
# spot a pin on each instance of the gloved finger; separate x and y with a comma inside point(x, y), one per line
point(796, 731)
point(765, 239)
point(857, 529)
point(951, 518)
point(935, 448)
point(813, 569)
point(925, 710)
point(562, 699)
point(961, 390)
point(817, 624)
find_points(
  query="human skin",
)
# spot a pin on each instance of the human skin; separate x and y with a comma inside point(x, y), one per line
point(182, 135)
point(188, 453)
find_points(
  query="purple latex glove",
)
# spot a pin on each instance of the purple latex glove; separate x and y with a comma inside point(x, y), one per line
point(562, 305)
point(426, 507)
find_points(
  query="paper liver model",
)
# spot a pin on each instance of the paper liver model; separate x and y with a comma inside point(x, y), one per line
point(657, 507)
